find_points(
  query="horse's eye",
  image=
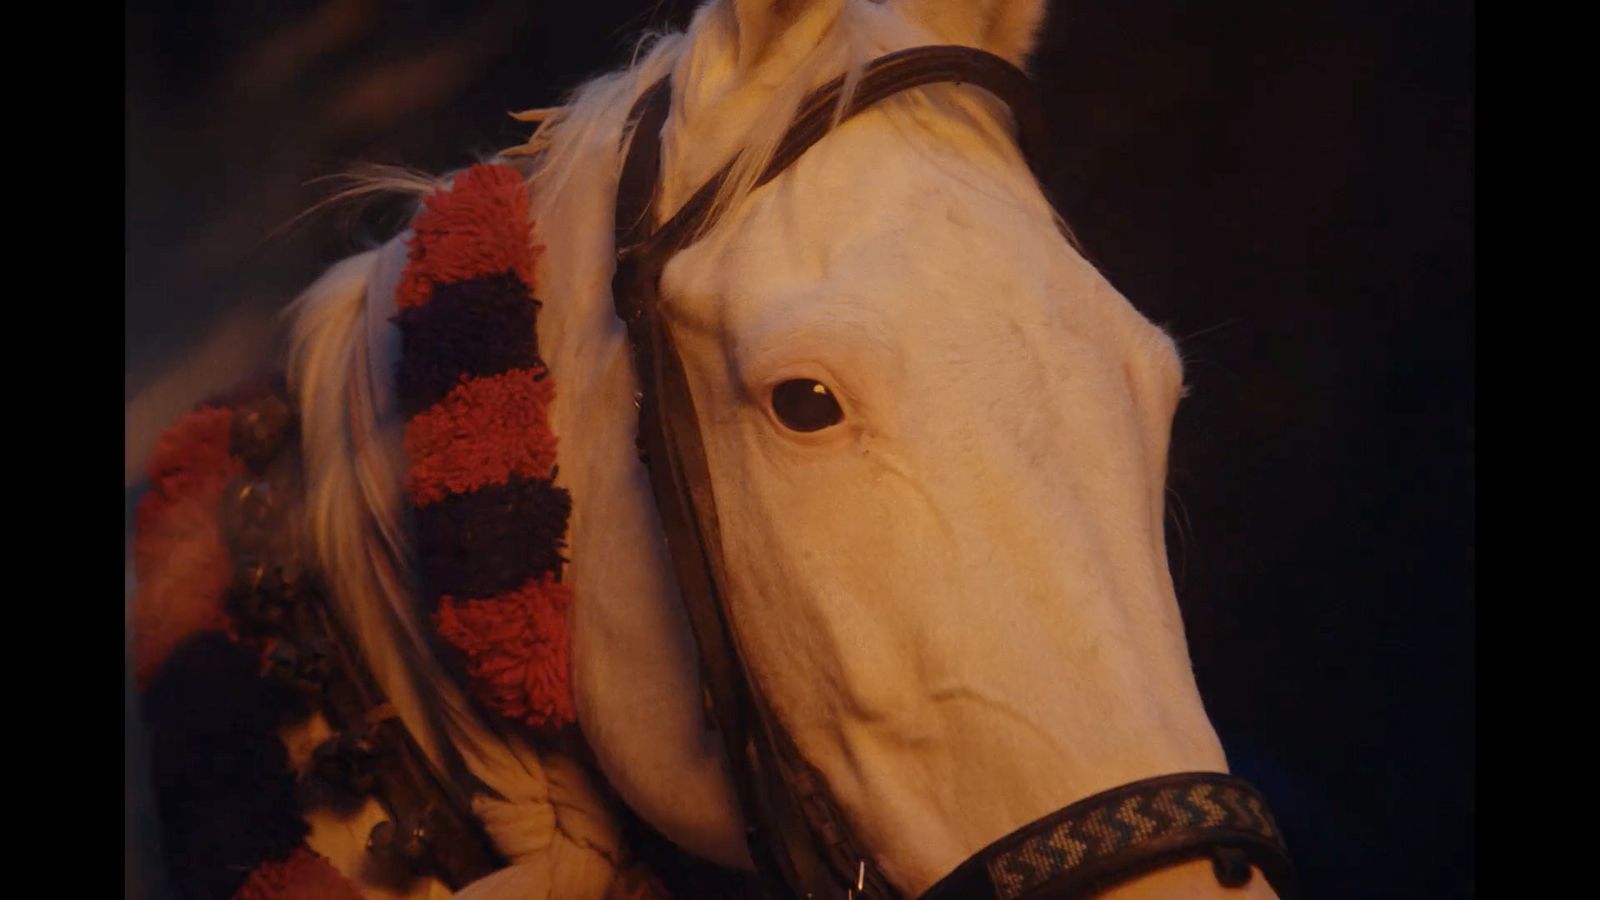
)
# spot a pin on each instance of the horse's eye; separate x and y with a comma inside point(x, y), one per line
point(805, 405)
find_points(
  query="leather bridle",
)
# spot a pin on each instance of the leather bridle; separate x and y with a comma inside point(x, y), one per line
point(801, 844)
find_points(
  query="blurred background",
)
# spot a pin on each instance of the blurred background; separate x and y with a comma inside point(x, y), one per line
point(1288, 188)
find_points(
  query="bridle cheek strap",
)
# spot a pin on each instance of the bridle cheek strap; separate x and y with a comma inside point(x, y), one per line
point(801, 843)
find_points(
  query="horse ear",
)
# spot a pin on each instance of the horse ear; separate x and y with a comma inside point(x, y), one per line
point(1008, 28)
point(761, 23)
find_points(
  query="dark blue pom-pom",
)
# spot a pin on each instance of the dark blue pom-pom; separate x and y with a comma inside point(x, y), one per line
point(224, 789)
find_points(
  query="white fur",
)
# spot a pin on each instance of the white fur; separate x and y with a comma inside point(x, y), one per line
point(957, 601)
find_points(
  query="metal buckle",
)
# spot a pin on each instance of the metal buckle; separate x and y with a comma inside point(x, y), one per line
point(861, 880)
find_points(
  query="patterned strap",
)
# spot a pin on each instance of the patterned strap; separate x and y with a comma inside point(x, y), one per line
point(1127, 831)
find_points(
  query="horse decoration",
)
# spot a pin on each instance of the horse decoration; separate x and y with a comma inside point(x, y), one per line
point(744, 488)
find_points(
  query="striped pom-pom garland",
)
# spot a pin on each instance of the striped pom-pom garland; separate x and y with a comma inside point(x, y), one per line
point(490, 521)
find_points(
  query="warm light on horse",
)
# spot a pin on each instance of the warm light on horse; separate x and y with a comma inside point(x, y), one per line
point(751, 452)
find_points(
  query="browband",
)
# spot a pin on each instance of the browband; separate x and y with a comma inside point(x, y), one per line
point(800, 842)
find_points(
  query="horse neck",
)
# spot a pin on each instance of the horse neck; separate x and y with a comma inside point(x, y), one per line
point(634, 672)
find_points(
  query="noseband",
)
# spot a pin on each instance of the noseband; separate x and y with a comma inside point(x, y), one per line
point(801, 843)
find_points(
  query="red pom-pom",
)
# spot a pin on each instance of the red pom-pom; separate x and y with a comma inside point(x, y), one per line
point(179, 556)
point(517, 651)
point(302, 875)
point(477, 227)
point(482, 433)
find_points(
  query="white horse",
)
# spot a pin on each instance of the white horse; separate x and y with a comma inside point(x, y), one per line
point(956, 600)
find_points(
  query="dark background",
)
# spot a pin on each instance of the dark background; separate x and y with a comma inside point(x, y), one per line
point(1287, 187)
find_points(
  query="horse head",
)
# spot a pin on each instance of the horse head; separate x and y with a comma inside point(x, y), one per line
point(935, 435)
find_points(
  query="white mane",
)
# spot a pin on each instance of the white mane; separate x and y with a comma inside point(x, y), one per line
point(840, 44)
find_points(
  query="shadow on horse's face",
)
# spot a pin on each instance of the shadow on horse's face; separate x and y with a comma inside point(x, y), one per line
point(938, 442)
